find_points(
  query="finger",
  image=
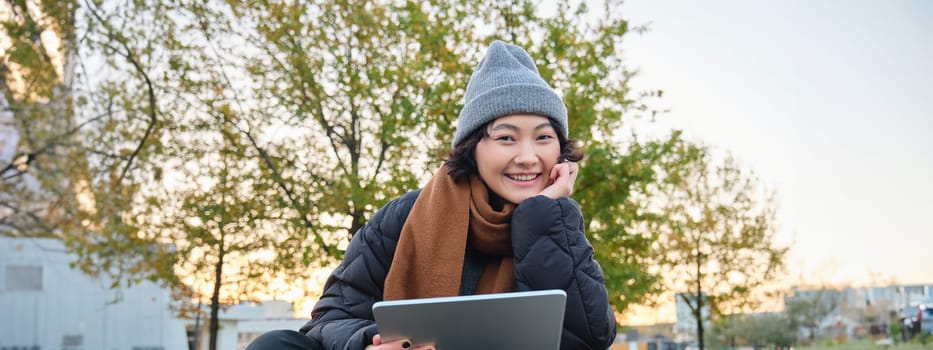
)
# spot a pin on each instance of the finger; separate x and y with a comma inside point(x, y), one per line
point(574, 171)
point(567, 170)
point(554, 173)
point(400, 344)
point(395, 344)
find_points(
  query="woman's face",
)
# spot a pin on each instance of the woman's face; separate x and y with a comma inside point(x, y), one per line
point(515, 159)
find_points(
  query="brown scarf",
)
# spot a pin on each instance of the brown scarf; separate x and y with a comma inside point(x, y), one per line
point(428, 261)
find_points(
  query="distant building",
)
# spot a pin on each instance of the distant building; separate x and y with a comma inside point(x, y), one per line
point(897, 296)
point(45, 304)
point(48, 305)
point(649, 337)
point(869, 308)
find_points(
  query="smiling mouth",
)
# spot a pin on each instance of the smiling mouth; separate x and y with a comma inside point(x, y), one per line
point(522, 177)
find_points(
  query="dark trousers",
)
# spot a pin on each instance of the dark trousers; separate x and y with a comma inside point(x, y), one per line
point(283, 339)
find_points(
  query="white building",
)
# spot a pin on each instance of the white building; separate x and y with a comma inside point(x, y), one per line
point(45, 304)
point(48, 305)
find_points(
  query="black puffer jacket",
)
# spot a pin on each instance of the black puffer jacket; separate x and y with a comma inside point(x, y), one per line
point(550, 252)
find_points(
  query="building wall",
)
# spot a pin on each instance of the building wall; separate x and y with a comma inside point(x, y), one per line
point(45, 304)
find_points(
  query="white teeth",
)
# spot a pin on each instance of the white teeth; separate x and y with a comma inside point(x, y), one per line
point(523, 177)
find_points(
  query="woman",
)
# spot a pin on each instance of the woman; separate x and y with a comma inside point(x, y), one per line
point(495, 218)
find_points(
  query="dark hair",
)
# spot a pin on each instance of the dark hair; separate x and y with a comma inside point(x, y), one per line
point(462, 160)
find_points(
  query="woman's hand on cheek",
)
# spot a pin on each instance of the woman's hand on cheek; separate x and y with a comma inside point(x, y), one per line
point(403, 344)
point(562, 176)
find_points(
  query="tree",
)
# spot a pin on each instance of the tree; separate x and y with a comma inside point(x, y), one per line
point(213, 130)
point(716, 238)
point(36, 121)
point(87, 162)
point(368, 84)
point(377, 83)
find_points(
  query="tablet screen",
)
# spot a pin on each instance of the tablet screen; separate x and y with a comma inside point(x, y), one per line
point(518, 320)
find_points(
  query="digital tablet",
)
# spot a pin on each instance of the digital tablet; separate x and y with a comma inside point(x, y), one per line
point(518, 320)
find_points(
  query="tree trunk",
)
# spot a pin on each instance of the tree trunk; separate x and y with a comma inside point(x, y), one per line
point(215, 298)
point(699, 317)
point(699, 298)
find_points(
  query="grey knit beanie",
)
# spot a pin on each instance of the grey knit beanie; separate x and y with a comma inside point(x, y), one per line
point(507, 82)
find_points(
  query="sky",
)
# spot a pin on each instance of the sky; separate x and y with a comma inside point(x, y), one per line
point(829, 102)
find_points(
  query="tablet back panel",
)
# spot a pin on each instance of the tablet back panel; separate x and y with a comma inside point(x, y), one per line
point(520, 320)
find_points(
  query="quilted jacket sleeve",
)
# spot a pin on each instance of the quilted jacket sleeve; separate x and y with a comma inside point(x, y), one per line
point(552, 252)
point(343, 317)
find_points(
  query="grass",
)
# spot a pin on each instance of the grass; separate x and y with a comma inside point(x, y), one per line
point(867, 344)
